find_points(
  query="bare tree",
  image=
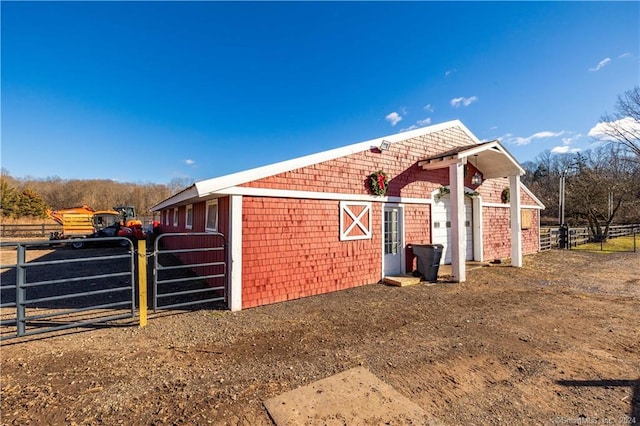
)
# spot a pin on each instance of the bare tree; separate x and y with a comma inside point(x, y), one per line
point(623, 126)
point(602, 183)
point(177, 184)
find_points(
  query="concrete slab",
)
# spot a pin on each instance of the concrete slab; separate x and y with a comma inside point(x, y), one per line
point(402, 280)
point(353, 397)
point(444, 271)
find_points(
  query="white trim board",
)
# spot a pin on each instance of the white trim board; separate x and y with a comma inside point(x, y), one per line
point(314, 195)
point(506, 206)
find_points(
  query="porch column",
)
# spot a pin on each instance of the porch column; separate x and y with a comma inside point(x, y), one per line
point(234, 298)
point(516, 221)
point(458, 240)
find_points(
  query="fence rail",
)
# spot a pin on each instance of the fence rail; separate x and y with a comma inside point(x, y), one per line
point(550, 237)
point(28, 230)
point(189, 269)
point(48, 290)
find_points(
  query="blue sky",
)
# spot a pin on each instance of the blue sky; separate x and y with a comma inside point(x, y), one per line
point(152, 91)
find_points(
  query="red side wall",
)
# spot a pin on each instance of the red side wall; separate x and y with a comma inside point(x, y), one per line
point(496, 222)
point(190, 242)
point(291, 249)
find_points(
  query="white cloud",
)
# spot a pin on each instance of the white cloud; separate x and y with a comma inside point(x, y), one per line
point(564, 149)
point(571, 139)
point(393, 118)
point(627, 127)
point(447, 73)
point(526, 141)
point(189, 162)
point(456, 102)
point(601, 64)
point(428, 107)
point(625, 55)
point(418, 124)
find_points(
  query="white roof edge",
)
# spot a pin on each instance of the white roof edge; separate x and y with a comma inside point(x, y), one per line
point(533, 197)
point(182, 196)
point(215, 184)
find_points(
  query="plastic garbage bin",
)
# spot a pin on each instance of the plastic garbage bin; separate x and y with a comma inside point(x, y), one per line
point(428, 263)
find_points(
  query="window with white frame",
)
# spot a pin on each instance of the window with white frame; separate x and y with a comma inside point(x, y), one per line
point(175, 217)
point(166, 217)
point(188, 217)
point(212, 216)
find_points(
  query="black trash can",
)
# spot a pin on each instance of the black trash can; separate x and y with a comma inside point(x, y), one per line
point(428, 263)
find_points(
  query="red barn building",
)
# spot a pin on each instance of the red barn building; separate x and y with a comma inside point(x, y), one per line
point(315, 224)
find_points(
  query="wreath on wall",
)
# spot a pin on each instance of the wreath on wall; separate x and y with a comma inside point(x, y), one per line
point(505, 196)
point(378, 183)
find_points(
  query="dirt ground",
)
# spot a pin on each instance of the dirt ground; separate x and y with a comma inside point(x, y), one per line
point(555, 342)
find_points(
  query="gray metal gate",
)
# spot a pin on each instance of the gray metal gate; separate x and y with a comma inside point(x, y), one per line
point(189, 269)
point(49, 288)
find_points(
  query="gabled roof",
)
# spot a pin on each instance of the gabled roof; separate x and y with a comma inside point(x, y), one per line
point(208, 187)
point(491, 158)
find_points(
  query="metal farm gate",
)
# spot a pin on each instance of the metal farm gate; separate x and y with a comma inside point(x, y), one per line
point(189, 269)
point(46, 286)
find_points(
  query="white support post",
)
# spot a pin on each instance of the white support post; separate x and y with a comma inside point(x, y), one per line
point(478, 246)
point(516, 221)
point(234, 299)
point(458, 239)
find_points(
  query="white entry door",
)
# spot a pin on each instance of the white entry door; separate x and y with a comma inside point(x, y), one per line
point(441, 226)
point(393, 243)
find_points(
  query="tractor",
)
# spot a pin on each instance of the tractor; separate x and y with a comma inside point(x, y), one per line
point(85, 222)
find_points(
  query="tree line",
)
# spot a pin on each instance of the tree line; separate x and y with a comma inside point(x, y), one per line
point(30, 197)
point(602, 186)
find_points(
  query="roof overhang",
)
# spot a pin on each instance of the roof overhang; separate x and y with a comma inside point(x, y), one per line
point(211, 188)
point(188, 195)
point(491, 158)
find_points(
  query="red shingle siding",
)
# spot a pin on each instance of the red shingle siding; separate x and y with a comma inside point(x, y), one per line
point(291, 249)
point(417, 219)
point(496, 223)
point(496, 233)
point(531, 236)
point(491, 192)
point(349, 174)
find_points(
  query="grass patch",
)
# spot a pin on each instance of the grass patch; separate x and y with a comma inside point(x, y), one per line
point(612, 245)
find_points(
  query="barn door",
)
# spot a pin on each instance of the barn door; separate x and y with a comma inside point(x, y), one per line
point(393, 244)
point(441, 227)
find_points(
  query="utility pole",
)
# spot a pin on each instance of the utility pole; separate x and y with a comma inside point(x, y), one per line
point(564, 229)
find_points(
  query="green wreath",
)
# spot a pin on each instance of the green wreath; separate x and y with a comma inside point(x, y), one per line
point(379, 182)
point(505, 196)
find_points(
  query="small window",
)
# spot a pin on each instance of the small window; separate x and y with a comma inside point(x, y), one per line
point(175, 217)
point(188, 217)
point(526, 219)
point(166, 217)
point(212, 216)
